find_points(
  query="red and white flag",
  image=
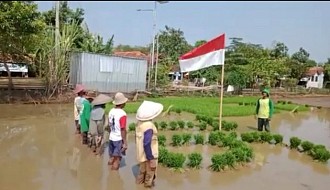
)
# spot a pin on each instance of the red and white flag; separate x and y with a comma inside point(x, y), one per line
point(206, 55)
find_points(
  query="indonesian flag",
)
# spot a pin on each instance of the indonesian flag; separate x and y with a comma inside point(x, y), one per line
point(206, 55)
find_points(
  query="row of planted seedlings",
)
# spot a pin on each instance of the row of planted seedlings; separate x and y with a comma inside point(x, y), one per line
point(203, 123)
point(237, 151)
point(316, 151)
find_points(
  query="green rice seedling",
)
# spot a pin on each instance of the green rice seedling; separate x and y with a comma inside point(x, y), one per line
point(279, 102)
point(163, 155)
point(175, 160)
point(163, 125)
point(190, 124)
point(229, 126)
point(284, 102)
point(307, 146)
point(173, 125)
point(186, 137)
point(320, 153)
point(240, 103)
point(233, 134)
point(266, 137)
point(230, 159)
point(219, 162)
point(306, 105)
point(156, 124)
point(209, 120)
point(278, 138)
point(215, 125)
point(214, 138)
point(176, 140)
point(178, 110)
point(199, 118)
point(199, 139)
point(162, 140)
point(131, 127)
point(247, 137)
point(202, 126)
point(181, 124)
point(243, 153)
point(194, 160)
point(235, 143)
point(256, 136)
point(294, 142)
point(289, 102)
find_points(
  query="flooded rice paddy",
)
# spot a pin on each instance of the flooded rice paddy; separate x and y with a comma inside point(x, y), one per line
point(39, 151)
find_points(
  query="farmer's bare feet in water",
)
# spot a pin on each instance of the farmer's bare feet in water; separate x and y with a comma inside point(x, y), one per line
point(110, 162)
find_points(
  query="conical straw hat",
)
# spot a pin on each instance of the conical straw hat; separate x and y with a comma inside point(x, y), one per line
point(101, 99)
point(148, 110)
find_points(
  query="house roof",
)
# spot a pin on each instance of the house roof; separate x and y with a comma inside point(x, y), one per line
point(135, 54)
point(314, 70)
point(16, 58)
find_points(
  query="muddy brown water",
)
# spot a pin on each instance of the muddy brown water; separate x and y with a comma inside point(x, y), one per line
point(39, 151)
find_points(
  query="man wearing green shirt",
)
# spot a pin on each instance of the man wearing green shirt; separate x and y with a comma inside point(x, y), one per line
point(264, 111)
point(85, 116)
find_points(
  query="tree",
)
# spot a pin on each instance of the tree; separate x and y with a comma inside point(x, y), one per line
point(279, 50)
point(302, 55)
point(200, 42)
point(172, 44)
point(20, 25)
point(238, 78)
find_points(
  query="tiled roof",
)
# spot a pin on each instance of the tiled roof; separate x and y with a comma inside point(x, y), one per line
point(313, 70)
point(16, 58)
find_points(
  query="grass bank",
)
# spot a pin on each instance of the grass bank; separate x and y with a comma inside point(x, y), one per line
point(210, 105)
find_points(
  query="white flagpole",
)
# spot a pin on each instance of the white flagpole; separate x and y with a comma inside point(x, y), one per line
point(221, 95)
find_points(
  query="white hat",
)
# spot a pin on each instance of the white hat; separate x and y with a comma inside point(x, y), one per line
point(148, 110)
point(119, 99)
point(101, 99)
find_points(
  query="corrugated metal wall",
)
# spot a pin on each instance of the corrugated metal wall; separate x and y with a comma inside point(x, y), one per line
point(108, 73)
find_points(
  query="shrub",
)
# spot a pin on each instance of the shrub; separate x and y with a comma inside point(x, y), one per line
point(294, 142)
point(278, 138)
point(162, 140)
point(175, 160)
point(307, 146)
point(199, 139)
point(131, 127)
point(202, 126)
point(176, 140)
point(173, 125)
point(190, 124)
point(247, 137)
point(163, 155)
point(194, 160)
point(181, 124)
point(266, 137)
point(186, 137)
point(163, 125)
point(319, 152)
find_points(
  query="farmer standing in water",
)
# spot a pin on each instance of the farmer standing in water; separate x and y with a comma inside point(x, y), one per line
point(117, 123)
point(77, 106)
point(264, 111)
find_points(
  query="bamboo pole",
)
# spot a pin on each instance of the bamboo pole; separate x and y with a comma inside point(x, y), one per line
point(221, 96)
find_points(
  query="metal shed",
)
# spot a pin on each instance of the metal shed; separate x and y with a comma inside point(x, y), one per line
point(108, 73)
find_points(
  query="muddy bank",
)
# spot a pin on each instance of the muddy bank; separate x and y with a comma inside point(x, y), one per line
point(39, 151)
